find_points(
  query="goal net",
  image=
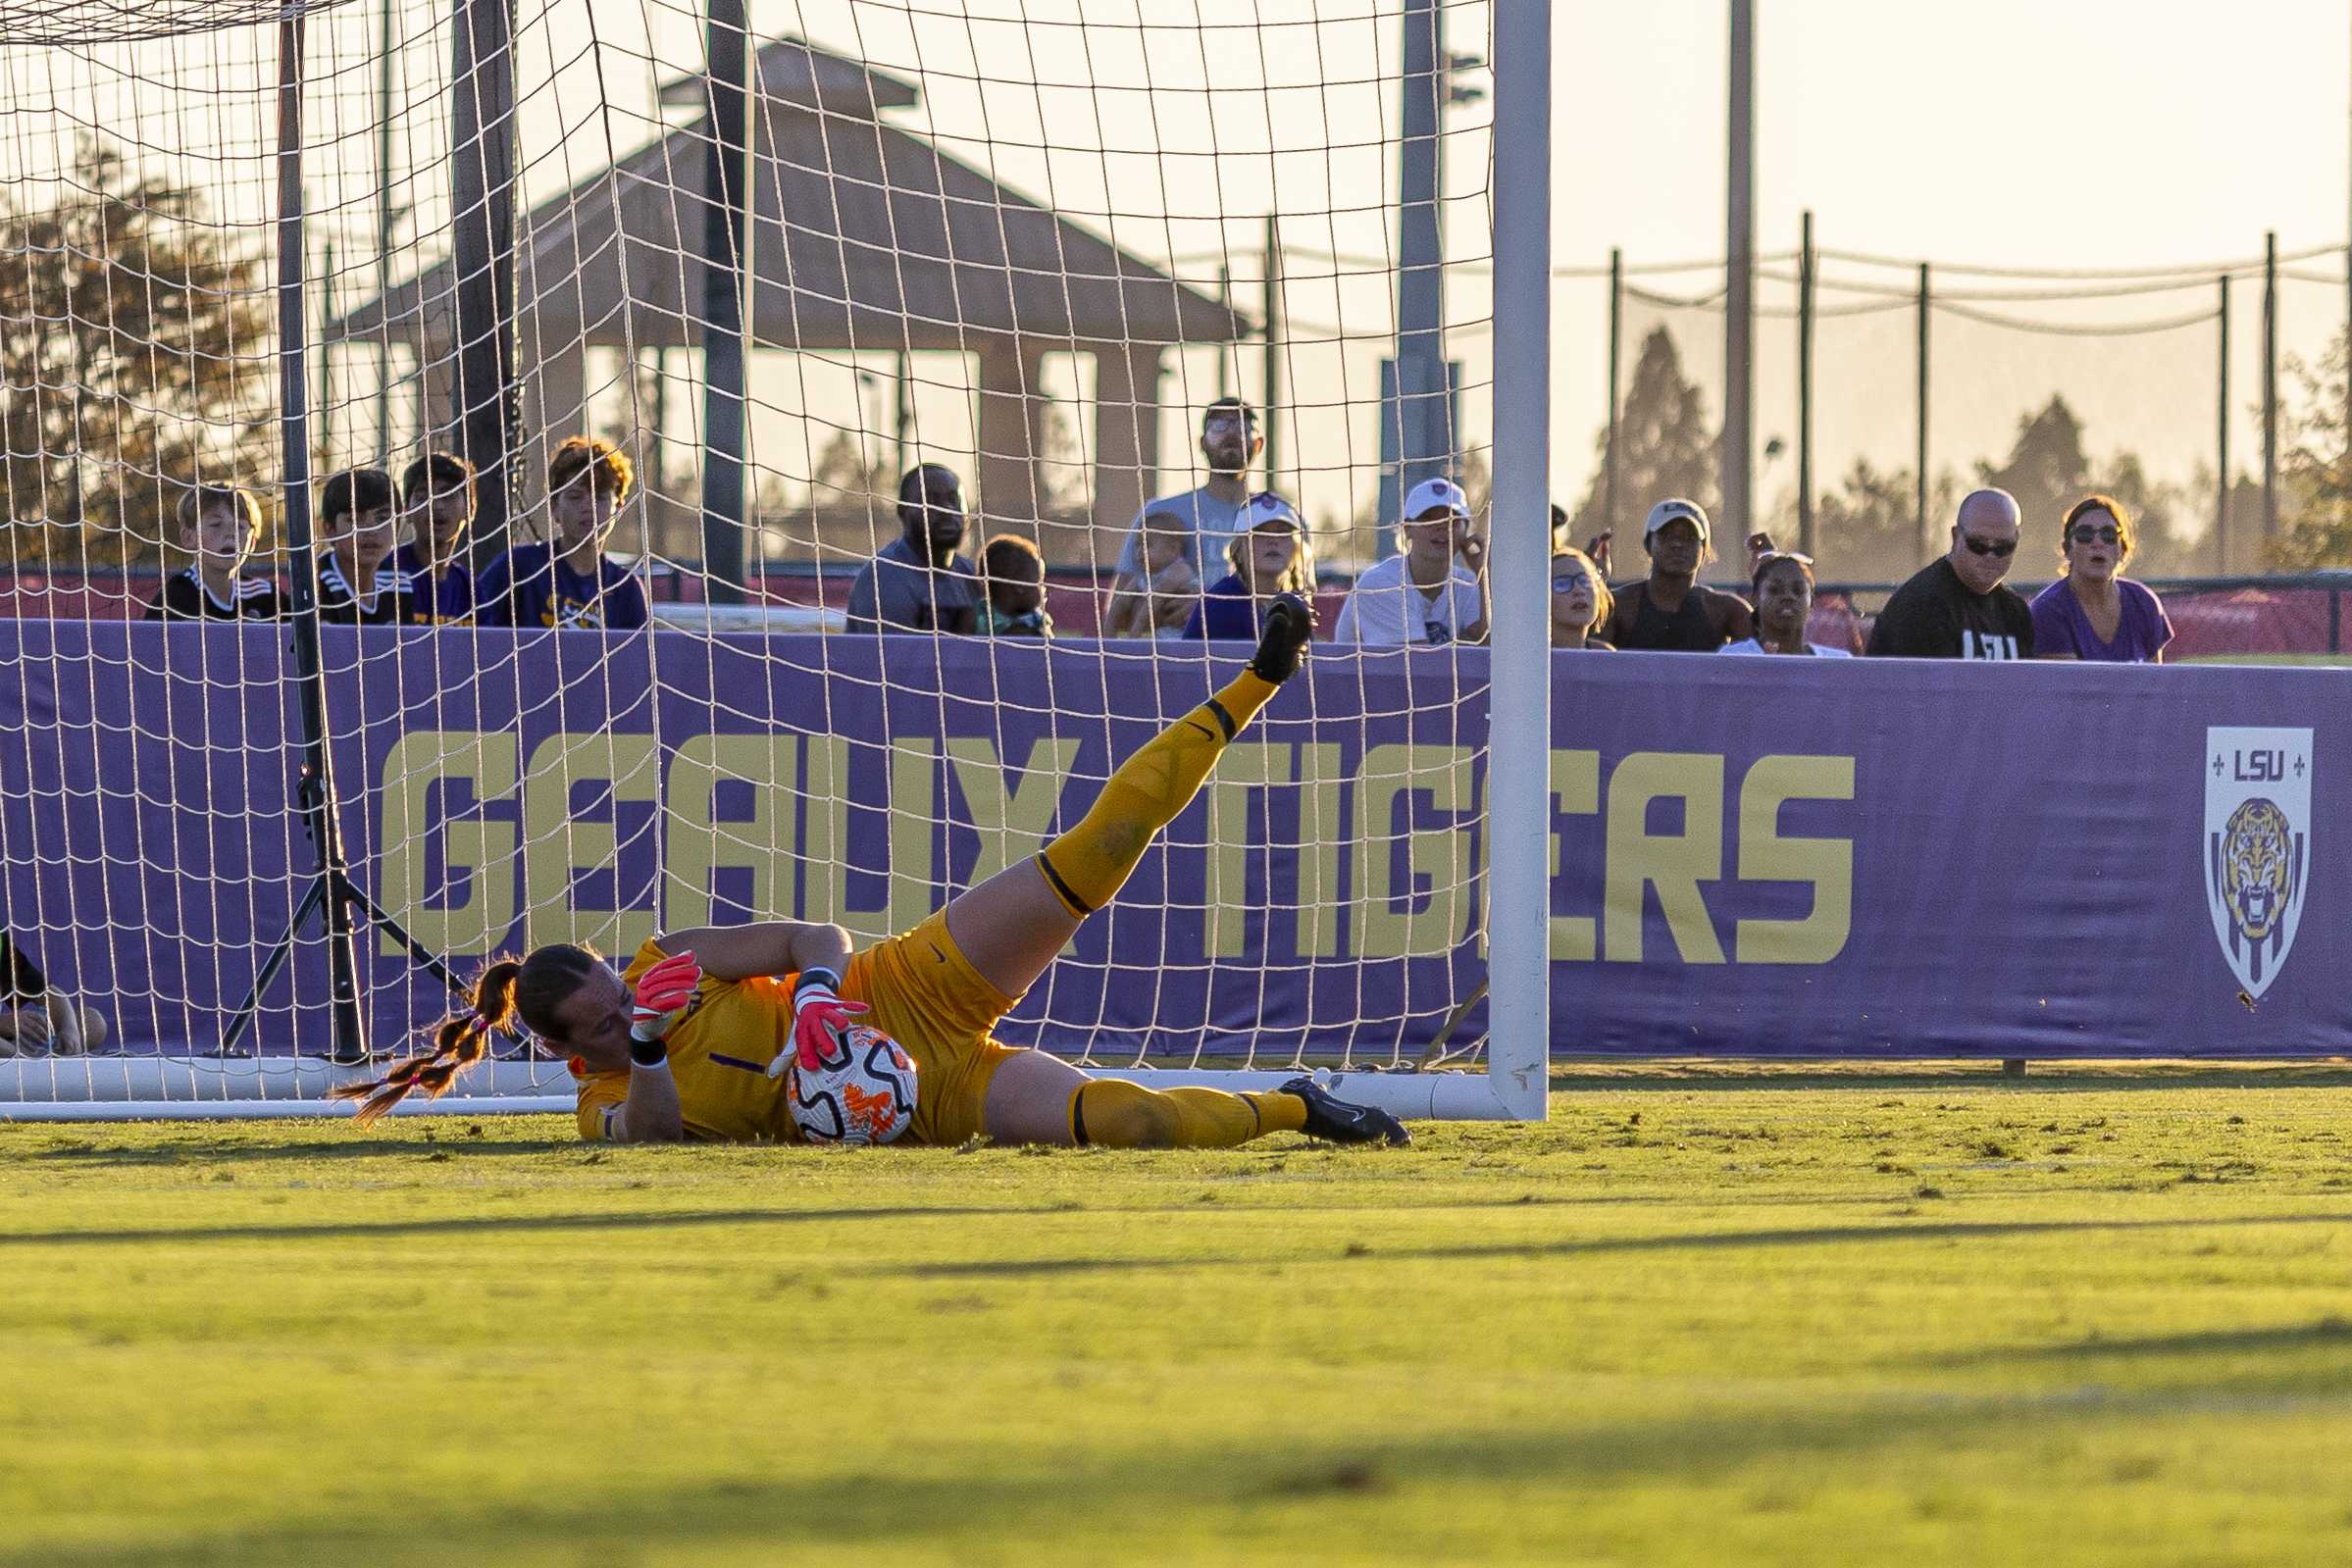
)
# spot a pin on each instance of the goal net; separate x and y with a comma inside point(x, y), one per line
point(1103, 275)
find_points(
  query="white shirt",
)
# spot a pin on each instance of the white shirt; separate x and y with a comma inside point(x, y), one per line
point(1384, 610)
point(1753, 646)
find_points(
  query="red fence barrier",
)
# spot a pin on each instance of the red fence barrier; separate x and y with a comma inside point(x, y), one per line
point(2211, 617)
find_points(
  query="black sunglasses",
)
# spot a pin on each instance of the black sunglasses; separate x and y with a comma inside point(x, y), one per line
point(2091, 532)
point(2002, 548)
point(1570, 583)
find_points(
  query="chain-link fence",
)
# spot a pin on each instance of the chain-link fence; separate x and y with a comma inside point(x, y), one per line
point(1884, 388)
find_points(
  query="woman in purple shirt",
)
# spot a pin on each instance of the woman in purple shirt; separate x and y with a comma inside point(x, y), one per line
point(2092, 613)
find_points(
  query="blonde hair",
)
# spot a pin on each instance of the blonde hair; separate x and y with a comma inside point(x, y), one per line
point(578, 454)
point(196, 498)
point(1297, 578)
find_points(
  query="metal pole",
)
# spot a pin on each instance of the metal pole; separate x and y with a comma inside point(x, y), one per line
point(2270, 388)
point(481, 181)
point(328, 405)
point(2221, 513)
point(1422, 401)
point(1616, 361)
point(1805, 287)
point(1519, 754)
point(726, 270)
point(1918, 458)
point(902, 411)
point(1270, 416)
point(658, 446)
point(385, 220)
point(1739, 296)
point(316, 790)
point(1224, 352)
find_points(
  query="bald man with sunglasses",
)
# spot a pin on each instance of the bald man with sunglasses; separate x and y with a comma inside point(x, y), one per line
point(1957, 608)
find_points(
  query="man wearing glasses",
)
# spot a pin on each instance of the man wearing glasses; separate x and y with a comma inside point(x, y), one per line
point(1957, 608)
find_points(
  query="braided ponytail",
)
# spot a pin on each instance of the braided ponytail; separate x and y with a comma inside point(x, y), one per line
point(458, 1043)
point(535, 987)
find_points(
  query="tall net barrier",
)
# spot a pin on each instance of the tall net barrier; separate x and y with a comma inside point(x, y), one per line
point(1869, 372)
point(893, 327)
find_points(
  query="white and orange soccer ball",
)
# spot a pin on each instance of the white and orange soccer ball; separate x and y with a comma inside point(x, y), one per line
point(862, 1092)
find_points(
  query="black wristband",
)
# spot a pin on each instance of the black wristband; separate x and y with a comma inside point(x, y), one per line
point(816, 976)
point(646, 1052)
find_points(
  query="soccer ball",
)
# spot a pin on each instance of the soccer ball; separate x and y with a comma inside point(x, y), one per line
point(863, 1092)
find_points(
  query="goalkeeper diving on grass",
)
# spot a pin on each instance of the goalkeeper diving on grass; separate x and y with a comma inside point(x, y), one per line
point(700, 1036)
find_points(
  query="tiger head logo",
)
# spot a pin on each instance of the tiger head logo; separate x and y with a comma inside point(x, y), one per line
point(2257, 867)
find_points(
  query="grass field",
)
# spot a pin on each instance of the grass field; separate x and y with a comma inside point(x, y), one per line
point(1696, 1319)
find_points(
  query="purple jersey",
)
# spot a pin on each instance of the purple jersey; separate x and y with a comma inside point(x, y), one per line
point(428, 601)
point(2061, 624)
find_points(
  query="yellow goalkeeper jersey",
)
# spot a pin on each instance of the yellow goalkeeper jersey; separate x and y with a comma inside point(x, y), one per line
point(719, 1055)
point(924, 994)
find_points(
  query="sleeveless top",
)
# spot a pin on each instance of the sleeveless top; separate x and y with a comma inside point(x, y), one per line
point(1686, 630)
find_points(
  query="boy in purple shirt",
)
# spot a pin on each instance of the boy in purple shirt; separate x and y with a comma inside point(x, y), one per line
point(2093, 612)
point(569, 582)
point(437, 494)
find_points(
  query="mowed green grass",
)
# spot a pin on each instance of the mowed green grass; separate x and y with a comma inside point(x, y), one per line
point(1696, 1319)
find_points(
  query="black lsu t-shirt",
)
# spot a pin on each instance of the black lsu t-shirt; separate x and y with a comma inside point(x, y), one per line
point(1934, 615)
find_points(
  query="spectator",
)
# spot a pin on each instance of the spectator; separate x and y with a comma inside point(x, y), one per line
point(1580, 602)
point(1014, 574)
point(356, 519)
point(36, 1019)
point(1270, 556)
point(1783, 585)
point(1596, 548)
point(1670, 612)
point(2093, 612)
point(1429, 593)
point(569, 580)
point(917, 583)
point(219, 525)
point(1956, 607)
point(1158, 601)
point(438, 492)
point(1212, 514)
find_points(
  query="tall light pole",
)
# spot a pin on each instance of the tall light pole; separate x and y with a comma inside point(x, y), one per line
point(1739, 294)
point(1417, 432)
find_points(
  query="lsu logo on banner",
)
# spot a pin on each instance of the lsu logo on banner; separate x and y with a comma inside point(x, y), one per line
point(2256, 845)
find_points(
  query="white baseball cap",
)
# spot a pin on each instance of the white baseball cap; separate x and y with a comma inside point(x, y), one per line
point(1266, 507)
point(1430, 494)
point(1675, 510)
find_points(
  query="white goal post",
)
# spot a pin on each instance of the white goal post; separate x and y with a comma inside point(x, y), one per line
point(1037, 253)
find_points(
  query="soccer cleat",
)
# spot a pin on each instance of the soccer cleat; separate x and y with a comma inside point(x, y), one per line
point(1290, 622)
point(1330, 1117)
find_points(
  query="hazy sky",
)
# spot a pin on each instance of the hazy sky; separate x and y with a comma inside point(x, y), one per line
point(2049, 132)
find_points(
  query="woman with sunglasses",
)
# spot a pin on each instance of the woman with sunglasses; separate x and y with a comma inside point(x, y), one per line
point(1957, 608)
point(1580, 602)
point(1782, 584)
point(2094, 612)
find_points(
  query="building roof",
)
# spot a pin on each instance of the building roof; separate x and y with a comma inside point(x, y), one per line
point(865, 236)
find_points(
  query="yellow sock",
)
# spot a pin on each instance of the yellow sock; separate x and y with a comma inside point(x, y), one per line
point(1112, 1113)
point(1089, 864)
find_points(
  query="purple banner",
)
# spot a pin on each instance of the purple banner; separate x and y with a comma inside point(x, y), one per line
point(1753, 858)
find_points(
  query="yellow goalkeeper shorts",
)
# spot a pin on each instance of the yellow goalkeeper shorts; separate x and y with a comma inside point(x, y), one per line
point(926, 995)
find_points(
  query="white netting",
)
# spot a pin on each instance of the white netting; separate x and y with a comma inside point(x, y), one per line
point(1030, 244)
